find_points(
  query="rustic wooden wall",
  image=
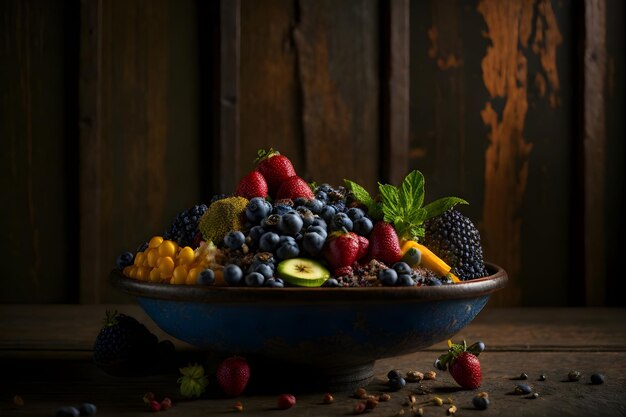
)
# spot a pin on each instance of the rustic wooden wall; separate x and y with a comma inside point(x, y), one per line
point(116, 115)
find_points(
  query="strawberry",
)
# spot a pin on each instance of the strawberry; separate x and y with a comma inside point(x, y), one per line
point(384, 244)
point(462, 362)
point(276, 168)
point(252, 185)
point(294, 187)
point(342, 249)
point(233, 375)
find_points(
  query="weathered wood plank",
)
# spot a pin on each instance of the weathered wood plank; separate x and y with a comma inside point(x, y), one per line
point(594, 148)
point(45, 356)
point(36, 193)
point(228, 143)
point(395, 90)
point(338, 72)
point(136, 147)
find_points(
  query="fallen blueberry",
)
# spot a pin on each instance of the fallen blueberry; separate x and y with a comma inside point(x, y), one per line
point(597, 379)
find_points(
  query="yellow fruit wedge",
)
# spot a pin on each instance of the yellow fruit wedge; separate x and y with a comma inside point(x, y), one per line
point(430, 260)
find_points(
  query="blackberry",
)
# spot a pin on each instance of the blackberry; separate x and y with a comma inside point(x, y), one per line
point(455, 239)
point(184, 228)
point(122, 339)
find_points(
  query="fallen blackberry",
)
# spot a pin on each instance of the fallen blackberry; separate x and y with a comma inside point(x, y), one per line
point(184, 228)
point(455, 239)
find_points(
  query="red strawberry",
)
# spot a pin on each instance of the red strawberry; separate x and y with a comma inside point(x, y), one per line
point(465, 369)
point(233, 375)
point(276, 168)
point(286, 401)
point(384, 244)
point(294, 187)
point(462, 362)
point(343, 248)
point(252, 185)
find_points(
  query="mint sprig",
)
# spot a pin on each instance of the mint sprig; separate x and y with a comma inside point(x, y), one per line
point(403, 206)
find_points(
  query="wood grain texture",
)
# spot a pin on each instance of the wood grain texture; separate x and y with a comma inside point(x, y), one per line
point(35, 196)
point(131, 161)
point(270, 94)
point(395, 91)
point(338, 76)
point(47, 370)
point(594, 145)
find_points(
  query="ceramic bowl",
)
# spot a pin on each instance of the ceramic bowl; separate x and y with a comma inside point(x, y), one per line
point(333, 334)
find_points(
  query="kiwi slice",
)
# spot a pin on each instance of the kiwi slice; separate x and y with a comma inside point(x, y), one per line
point(303, 272)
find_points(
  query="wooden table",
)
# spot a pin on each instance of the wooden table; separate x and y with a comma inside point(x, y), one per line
point(45, 357)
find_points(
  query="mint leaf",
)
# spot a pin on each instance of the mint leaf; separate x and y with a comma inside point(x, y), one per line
point(391, 203)
point(359, 192)
point(438, 207)
point(412, 190)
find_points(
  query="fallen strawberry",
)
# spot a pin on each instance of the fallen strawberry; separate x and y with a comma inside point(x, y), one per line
point(462, 362)
point(286, 401)
point(233, 375)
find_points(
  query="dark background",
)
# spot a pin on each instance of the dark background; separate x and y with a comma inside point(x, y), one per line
point(116, 115)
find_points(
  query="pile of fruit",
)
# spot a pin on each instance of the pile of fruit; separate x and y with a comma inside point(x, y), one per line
point(277, 230)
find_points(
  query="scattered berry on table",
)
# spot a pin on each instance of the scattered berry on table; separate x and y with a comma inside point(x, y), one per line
point(166, 403)
point(68, 412)
point(154, 406)
point(597, 379)
point(328, 398)
point(523, 376)
point(394, 374)
point(87, 409)
point(286, 401)
point(543, 377)
point(238, 406)
point(480, 402)
point(232, 375)
point(522, 389)
point(573, 376)
point(396, 383)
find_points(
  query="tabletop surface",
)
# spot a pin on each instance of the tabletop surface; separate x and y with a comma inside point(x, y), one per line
point(46, 360)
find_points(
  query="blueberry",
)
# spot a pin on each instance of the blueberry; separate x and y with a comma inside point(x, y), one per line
point(480, 402)
point(439, 365)
point(232, 274)
point(124, 260)
point(397, 383)
point(597, 379)
point(413, 256)
point(306, 215)
point(258, 209)
point(394, 374)
point(256, 232)
point(87, 409)
point(388, 277)
point(265, 270)
point(319, 230)
point(327, 213)
point(313, 243)
point(291, 223)
point(206, 277)
point(288, 248)
point(331, 282)
point(405, 280)
point(315, 206)
point(362, 226)
point(274, 283)
point(341, 220)
point(523, 389)
point(268, 241)
point(68, 412)
point(142, 247)
point(318, 221)
point(299, 201)
point(434, 282)
point(479, 347)
point(321, 196)
point(402, 268)
point(355, 213)
point(234, 239)
point(282, 209)
point(254, 279)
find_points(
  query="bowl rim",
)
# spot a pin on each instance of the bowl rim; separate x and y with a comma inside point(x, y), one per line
point(319, 295)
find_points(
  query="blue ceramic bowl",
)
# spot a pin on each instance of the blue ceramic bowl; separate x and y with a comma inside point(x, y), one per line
point(336, 333)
